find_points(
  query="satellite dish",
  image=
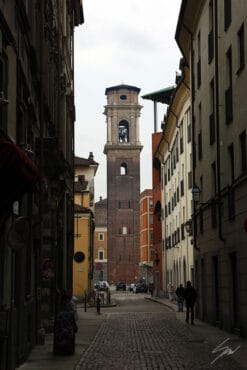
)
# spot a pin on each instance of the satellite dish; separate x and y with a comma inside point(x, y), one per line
point(19, 232)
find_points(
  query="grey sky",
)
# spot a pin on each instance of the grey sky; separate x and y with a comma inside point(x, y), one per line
point(122, 41)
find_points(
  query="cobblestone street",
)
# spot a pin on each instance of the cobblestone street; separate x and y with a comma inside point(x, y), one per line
point(140, 334)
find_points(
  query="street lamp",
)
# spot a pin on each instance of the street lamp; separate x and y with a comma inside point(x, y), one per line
point(196, 193)
point(188, 227)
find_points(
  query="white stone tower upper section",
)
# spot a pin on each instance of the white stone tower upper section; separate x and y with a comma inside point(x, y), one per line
point(122, 116)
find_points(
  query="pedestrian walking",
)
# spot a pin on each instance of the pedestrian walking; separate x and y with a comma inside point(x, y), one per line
point(190, 296)
point(98, 304)
point(151, 288)
point(180, 297)
point(170, 291)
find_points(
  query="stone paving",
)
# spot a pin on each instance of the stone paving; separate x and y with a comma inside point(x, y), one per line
point(137, 335)
point(139, 341)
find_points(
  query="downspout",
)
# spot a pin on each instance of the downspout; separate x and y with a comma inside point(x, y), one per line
point(193, 140)
point(39, 327)
point(217, 120)
point(193, 132)
point(155, 116)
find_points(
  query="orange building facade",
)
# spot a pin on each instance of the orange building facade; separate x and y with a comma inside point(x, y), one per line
point(146, 234)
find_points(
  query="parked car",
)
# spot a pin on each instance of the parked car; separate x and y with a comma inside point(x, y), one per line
point(140, 288)
point(121, 285)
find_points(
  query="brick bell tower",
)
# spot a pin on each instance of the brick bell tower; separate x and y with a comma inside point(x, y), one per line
point(122, 151)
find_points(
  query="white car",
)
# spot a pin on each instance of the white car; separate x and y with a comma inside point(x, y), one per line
point(102, 285)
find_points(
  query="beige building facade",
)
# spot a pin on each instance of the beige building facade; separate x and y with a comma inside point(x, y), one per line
point(212, 38)
point(175, 155)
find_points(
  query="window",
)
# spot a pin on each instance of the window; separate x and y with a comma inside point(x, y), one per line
point(227, 13)
point(201, 220)
point(231, 163)
point(123, 169)
point(211, 117)
point(199, 60)
point(241, 56)
point(124, 230)
point(101, 255)
point(214, 215)
point(3, 91)
point(181, 138)
point(123, 132)
point(101, 236)
point(214, 188)
point(243, 157)
point(168, 169)
point(189, 132)
point(190, 179)
point(228, 92)
point(231, 203)
point(200, 145)
point(211, 33)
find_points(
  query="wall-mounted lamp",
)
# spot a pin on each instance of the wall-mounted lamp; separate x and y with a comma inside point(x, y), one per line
point(188, 227)
point(196, 193)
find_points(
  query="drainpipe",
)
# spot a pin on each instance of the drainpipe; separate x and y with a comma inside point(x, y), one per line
point(40, 330)
point(155, 116)
point(218, 157)
point(193, 133)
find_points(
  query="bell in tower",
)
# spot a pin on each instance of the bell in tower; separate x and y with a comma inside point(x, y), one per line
point(122, 151)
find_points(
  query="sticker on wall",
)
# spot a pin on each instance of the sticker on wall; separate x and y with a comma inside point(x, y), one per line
point(48, 269)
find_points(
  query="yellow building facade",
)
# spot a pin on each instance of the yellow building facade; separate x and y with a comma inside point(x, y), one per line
point(84, 225)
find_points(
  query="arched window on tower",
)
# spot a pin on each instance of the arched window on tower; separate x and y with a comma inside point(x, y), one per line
point(123, 169)
point(123, 132)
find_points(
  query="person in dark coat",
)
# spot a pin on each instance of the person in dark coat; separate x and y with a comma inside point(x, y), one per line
point(180, 294)
point(190, 296)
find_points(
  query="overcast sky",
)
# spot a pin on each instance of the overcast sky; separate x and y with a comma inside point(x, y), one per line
point(122, 41)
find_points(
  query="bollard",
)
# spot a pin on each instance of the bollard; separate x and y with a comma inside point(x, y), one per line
point(98, 305)
point(85, 303)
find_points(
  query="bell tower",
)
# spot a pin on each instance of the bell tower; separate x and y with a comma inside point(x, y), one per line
point(122, 151)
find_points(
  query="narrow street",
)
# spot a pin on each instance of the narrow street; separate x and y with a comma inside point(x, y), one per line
point(141, 334)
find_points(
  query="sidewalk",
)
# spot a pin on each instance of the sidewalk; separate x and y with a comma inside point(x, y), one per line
point(42, 356)
point(210, 334)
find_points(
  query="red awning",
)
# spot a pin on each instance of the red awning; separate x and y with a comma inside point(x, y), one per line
point(18, 173)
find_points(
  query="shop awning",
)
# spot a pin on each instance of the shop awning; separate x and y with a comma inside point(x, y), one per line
point(18, 173)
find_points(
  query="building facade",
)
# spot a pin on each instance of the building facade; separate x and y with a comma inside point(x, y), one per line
point(212, 38)
point(175, 154)
point(157, 256)
point(146, 234)
point(100, 241)
point(122, 151)
point(84, 225)
point(36, 169)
